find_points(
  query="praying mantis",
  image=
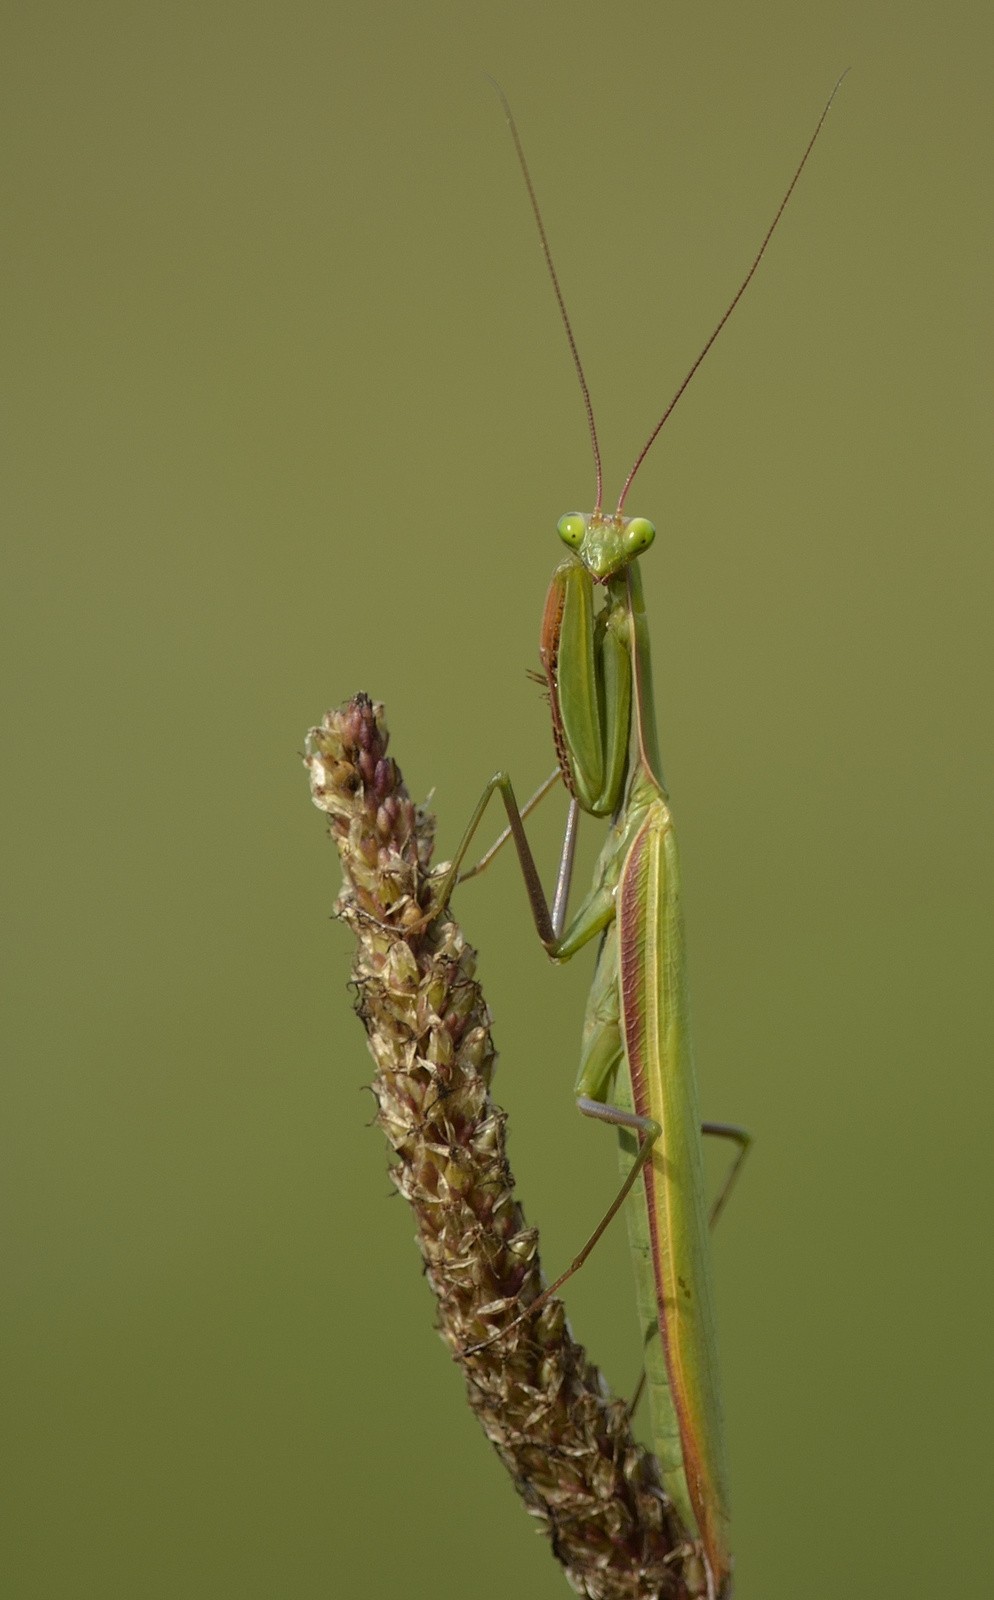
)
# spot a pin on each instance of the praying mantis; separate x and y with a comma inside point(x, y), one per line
point(636, 1065)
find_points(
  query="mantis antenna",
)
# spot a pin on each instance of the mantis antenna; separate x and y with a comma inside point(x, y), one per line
point(738, 296)
point(555, 284)
point(564, 314)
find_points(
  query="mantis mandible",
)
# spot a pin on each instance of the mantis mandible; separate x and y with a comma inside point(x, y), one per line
point(596, 664)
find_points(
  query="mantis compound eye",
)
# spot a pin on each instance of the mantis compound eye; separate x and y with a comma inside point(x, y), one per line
point(639, 534)
point(572, 528)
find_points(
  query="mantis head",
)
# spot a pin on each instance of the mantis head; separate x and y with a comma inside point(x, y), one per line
point(605, 544)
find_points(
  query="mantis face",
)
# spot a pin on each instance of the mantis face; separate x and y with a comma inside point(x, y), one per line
point(605, 544)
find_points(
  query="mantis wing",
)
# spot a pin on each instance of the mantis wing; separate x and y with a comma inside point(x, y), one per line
point(677, 1273)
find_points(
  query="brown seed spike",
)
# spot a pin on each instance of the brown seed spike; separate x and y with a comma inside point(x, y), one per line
point(545, 1408)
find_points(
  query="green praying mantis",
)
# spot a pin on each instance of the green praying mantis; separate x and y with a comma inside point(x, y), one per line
point(596, 663)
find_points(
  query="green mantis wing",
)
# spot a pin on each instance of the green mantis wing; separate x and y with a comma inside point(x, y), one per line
point(674, 1272)
point(603, 1074)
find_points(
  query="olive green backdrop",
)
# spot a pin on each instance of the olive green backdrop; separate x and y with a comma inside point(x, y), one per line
point(288, 413)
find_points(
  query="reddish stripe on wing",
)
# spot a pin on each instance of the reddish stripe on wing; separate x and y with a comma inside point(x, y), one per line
point(552, 623)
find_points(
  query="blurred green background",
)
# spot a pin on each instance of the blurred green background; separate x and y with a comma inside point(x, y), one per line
point(288, 413)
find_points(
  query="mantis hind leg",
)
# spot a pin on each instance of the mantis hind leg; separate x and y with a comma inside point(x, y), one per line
point(744, 1140)
point(601, 1057)
point(739, 1136)
point(602, 1054)
point(648, 1132)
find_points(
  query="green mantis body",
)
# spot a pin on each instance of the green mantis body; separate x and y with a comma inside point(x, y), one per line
point(636, 1068)
point(599, 674)
point(637, 1017)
